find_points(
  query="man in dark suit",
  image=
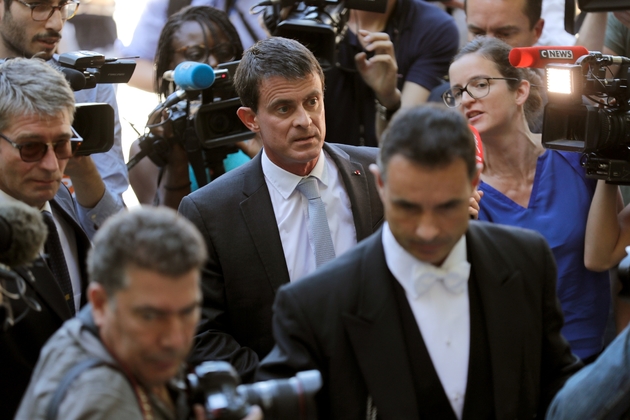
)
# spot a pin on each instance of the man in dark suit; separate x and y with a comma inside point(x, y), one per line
point(255, 219)
point(35, 130)
point(433, 316)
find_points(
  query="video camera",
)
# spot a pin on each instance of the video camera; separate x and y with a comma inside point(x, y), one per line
point(93, 122)
point(204, 122)
point(95, 68)
point(215, 386)
point(601, 131)
point(320, 25)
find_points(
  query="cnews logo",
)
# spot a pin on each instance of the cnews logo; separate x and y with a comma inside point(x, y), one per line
point(562, 54)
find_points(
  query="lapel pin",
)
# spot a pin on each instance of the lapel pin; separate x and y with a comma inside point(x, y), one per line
point(358, 173)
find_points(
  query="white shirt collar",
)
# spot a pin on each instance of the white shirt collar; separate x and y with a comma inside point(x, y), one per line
point(284, 181)
point(403, 265)
point(7, 199)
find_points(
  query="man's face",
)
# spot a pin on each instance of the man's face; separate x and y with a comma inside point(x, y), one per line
point(426, 208)
point(150, 324)
point(503, 19)
point(33, 183)
point(290, 121)
point(24, 37)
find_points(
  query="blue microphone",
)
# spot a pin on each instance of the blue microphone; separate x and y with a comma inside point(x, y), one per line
point(191, 75)
point(188, 76)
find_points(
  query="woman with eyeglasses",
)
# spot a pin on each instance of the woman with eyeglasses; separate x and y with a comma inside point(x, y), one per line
point(201, 34)
point(528, 186)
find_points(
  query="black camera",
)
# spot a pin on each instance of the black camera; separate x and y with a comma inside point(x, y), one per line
point(93, 122)
point(205, 124)
point(98, 69)
point(216, 386)
point(320, 25)
point(601, 130)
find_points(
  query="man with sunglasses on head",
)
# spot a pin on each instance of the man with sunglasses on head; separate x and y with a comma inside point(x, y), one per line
point(36, 113)
point(32, 28)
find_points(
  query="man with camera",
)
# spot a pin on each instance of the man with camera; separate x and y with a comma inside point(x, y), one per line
point(121, 356)
point(434, 316)
point(295, 205)
point(386, 61)
point(29, 29)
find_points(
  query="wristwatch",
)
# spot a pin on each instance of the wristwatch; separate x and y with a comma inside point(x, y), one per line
point(384, 113)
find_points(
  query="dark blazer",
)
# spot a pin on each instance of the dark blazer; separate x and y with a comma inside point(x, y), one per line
point(246, 263)
point(20, 344)
point(343, 320)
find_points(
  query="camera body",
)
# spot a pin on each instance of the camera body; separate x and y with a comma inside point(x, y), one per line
point(320, 25)
point(205, 124)
point(98, 69)
point(600, 131)
point(216, 386)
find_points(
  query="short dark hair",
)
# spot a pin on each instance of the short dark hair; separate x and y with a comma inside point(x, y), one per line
point(207, 17)
point(428, 135)
point(151, 238)
point(531, 8)
point(271, 57)
point(498, 52)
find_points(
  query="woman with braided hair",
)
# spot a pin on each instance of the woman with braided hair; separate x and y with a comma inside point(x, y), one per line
point(202, 34)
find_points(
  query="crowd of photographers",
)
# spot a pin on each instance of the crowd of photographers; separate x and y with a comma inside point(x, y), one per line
point(342, 241)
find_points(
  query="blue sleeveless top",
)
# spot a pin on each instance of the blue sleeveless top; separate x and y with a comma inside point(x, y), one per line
point(558, 209)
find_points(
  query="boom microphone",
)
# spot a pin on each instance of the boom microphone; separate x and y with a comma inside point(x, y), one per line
point(188, 76)
point(539, 57)
point(22, 234)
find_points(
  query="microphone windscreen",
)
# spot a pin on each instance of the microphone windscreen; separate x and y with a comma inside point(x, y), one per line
point(539, 57)
point(74, 77)
point(191, 75)
point(27, 231)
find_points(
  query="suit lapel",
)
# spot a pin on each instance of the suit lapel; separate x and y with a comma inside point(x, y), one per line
point(41, 280)
point(377, 338)
point(63, 204)
point(261, 222)
point(354, 177)
point(501, 298)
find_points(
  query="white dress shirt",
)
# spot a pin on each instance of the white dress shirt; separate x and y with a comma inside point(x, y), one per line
point(291, 210)
point(68, 244)
point(442, 316)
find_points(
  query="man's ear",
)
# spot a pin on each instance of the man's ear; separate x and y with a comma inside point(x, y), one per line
point(248, 117)
point(97, 296)
point(376, 171)
point(538, 28)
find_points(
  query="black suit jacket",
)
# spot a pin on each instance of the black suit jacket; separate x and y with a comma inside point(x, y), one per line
point(246, 261)
point(20, 344)
point(343, 320)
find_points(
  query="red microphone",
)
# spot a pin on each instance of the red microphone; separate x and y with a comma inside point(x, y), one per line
point(539, 57)
point(478, 144)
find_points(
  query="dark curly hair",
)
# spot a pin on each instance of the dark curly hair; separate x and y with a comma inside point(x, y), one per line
point(208, 17)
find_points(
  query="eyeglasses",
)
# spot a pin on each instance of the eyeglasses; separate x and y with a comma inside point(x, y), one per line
point(35, 151)
point(41, 11)
point(477, 88)
point(200, 53)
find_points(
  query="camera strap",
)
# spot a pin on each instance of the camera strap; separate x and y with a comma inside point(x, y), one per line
point(85, 316)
